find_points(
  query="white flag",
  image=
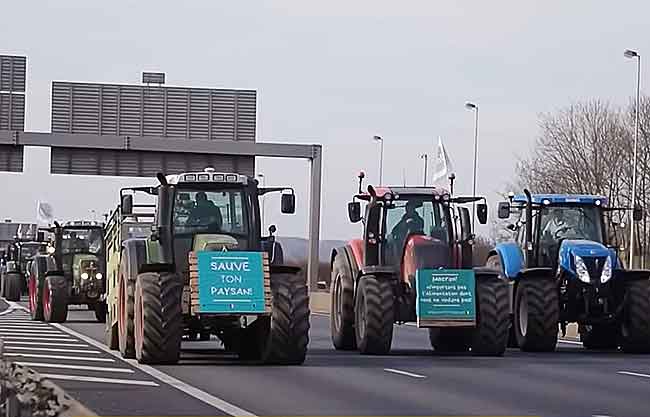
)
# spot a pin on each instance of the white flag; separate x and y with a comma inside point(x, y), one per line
point(441, 163)
point(44, 213)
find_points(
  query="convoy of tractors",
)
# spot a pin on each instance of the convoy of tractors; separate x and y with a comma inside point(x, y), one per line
point(195, 264)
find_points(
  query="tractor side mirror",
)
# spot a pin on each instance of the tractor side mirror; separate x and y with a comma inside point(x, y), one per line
point(482, 213)
point(127, 204)
point(354, 211)
point(637, 214)
point(503, 210)
point(288, 203)
point(465, 224)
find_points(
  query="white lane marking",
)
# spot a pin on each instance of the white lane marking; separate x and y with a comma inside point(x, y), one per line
point(633, 374)
point(34, 336)
point(200, 395)
point(100, 380)
point(7, 322)
point(60, 339)
point(10, 342)
point(397, 371)
point(570, 342)
point(34, 331)
point(22, 327)
point(77, 367)
point(46, 349)
point(72, 358)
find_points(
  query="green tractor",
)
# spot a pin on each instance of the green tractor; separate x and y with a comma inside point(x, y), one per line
point(19, 255)
point(203, 268)
point(70, 272)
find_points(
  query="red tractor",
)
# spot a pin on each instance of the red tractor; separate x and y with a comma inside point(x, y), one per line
point(414, 264)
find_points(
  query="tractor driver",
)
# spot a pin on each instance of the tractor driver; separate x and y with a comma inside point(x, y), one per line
point(411, 222)
point(205, 213)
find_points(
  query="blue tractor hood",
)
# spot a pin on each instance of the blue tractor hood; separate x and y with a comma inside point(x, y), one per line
point(569, 249)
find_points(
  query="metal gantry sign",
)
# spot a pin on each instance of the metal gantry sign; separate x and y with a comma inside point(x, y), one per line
point(138, 130)
point(13, 74)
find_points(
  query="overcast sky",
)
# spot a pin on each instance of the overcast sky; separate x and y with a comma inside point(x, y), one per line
point(335, 73)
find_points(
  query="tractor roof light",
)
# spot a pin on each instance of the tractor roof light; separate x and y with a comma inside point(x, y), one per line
point(597, 202)
point(218, 177)
point(189, 177)
point(231, 178)
point(204, 177)
point(546, 201)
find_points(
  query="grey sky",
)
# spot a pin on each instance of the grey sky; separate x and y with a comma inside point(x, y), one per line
point(336, 73)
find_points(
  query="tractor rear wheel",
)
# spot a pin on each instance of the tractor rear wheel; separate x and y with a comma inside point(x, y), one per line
point(374, 316)
point(125, 301)
point(537, 312)
point(55, 299)
point(158, 318)
point(490, 336)
point(12, 286)
point(342, 305)
point(35, 297)
point(494, 262)
point(635, 329)
point(599, 336)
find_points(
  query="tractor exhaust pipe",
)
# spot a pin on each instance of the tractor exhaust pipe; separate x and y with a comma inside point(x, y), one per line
point(529, 229)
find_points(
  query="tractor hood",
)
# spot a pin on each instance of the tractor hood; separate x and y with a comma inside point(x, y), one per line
point(593, 254)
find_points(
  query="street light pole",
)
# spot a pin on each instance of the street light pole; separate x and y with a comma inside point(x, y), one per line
point(381, 157)
point(425, 157)
point(474, 107)
point(633, 54)
point(263, 178)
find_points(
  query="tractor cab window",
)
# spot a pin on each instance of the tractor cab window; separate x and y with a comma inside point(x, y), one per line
point(82, 241)
point(418, 216)
point(210, 212)
point(571, 222)
point(29, 250)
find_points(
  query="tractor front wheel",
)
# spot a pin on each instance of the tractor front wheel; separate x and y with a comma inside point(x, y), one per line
point(537, 312)
point(35, 298)
point(158, 318)
point(125, 300)
point(374, 316)
point(635, 329)
point(342, 305)
point(490, 336)
point(55, 299)
point(12, 286)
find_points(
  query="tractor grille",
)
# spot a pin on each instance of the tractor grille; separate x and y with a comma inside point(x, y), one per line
point(595, 266)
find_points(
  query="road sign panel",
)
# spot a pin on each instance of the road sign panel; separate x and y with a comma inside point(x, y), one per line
point(445, 296)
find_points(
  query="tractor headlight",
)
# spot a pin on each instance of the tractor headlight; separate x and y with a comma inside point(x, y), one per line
point(51, 250)
point(98, 275)
point(84, 275)
point(581, 270)
point(607, 270)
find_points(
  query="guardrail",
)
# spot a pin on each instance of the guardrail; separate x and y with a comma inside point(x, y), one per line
point(24, 393)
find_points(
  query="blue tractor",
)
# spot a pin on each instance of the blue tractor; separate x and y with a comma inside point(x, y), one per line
point(562, 270)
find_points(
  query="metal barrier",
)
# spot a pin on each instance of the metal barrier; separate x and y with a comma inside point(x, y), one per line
point(24, 393)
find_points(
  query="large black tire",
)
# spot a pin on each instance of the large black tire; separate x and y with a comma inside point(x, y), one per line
point(125, 302)
point(100, 311)
point(450, 339)
point(599, 336)
point(111, 333)
point(55, 299)
point(342, 305)
point(35, 286)
point(281, 338)
point(374, 316)
point(158, 318)
point(494, 262)
point(12, 286)
point(490, 336)
point(537, 313)
point(635, 329)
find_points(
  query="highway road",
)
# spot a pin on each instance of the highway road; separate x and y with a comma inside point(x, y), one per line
point(411, 381)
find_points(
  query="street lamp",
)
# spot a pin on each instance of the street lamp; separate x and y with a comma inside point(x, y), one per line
point(426, 158)
point(474, 107)
point(381, 157)
point(263, 180)
point(633, 54)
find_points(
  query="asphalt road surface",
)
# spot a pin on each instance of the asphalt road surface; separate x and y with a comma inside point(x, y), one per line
point(411, 381)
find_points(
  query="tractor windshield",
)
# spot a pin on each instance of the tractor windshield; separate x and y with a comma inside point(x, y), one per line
point(82, 241)
point(198, 211)
point(571, 222)
point(29, 250)
point(418, 215)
